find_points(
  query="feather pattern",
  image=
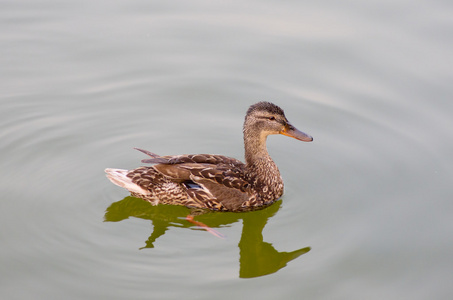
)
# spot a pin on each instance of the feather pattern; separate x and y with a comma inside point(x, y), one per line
point(216, 182)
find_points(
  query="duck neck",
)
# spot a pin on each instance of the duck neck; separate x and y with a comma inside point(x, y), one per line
point(257, 158)
point(255, 149)
point(261, 168)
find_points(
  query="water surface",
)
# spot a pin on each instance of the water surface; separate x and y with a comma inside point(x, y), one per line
point(367, 206)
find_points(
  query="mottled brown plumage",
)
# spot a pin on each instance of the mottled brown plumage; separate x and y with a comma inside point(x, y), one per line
point(216, 182)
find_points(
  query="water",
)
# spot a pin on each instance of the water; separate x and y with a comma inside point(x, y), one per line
point(367, 205)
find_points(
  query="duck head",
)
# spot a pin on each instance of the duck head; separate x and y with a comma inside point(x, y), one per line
point(265, 118)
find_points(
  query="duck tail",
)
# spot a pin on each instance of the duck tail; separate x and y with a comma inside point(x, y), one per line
point(120, 178)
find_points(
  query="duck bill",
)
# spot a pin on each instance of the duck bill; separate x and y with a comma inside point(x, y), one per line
point(293, 132)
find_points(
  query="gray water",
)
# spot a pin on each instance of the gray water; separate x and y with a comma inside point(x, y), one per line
point(367, 207)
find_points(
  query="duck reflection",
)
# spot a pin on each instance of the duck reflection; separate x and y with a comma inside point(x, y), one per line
point(257, 258)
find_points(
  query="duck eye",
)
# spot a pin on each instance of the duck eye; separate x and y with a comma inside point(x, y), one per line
point(272, 118)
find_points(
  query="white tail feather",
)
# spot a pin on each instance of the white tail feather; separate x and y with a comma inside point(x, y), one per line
point(119, 177)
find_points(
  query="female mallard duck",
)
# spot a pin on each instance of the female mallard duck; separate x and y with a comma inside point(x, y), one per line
point(216, 182)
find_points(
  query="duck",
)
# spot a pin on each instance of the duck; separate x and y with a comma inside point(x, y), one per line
point(216, 182)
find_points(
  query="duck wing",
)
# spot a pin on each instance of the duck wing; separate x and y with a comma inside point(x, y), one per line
point(218, 186)
point(195, 159)
point(218, 181)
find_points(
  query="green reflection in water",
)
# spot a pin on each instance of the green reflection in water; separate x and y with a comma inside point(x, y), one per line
point(257, 258)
